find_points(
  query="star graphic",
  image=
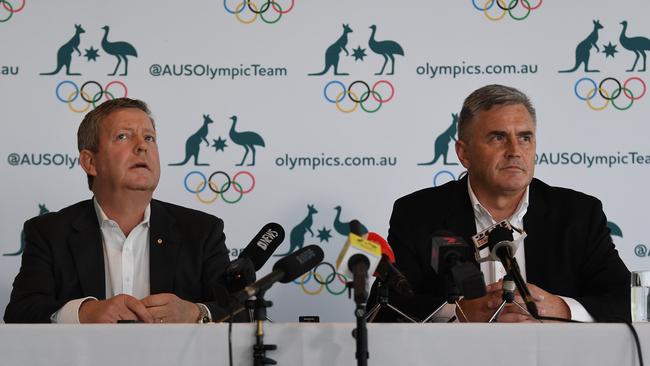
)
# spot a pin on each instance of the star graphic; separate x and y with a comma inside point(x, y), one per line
point(219, 144)
point(91, 54)
point(358, 53)
point(610, 49)
point(324, 234)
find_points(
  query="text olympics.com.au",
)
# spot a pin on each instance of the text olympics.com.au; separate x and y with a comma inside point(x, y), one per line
point(314, 162)
point(432, 71)
point(212, 72)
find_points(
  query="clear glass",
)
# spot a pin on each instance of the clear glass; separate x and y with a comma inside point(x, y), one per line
point(640, 293)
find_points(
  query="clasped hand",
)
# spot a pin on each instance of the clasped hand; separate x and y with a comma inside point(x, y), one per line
point(159, 308)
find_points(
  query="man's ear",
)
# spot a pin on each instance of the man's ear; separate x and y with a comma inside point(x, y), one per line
point(87, 162)
point(462, 153)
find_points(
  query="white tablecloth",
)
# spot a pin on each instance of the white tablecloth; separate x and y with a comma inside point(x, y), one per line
point(323, 344)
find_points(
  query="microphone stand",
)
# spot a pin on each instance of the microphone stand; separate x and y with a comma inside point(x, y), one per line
point(259, 306)
point(453, 295)
point(508, 297)
point(382, 301)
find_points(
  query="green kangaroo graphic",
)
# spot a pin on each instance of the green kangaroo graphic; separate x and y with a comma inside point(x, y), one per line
point(584, 47)
point(442, 142)
point(333, 51)
point(247, 139)
point(193, 143)
point(638, 45)
point(64, 55)
point(42, 210)
point(343, 228)
point(119, 50)
point(297, 236)
point(385, 48)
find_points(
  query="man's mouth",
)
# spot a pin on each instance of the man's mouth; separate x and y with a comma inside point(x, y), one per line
point(140, 165)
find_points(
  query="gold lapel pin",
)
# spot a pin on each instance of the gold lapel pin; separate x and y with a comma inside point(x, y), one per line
point(159, 241)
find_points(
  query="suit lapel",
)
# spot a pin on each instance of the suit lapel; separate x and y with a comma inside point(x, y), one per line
point(87, 251)
point(461, 218)
point(163, 249)
point(534, 222)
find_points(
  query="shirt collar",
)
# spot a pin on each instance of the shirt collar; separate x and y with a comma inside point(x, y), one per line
point(480, 210)
point(103, 219)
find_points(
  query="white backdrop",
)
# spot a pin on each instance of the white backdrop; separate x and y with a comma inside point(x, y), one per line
point(196, 58)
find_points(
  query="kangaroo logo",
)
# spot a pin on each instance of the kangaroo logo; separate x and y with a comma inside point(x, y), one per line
point(64, 55)
point(42, 210)
point(387, 49)
point(247, 139)
point(583, 49)
point(333, 52)
point(638, 45)
point(297, 235)
point(442, 142)
point(343, 228)
point(118, 49)
point(193, 143)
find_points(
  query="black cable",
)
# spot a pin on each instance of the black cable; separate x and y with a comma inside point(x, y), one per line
point(230, 340)
point(636, 340)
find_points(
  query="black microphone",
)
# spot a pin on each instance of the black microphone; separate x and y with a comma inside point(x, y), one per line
point(501, 246)
point(241, 272)
point(285, 270)
point(452, 258)
point(386, 272)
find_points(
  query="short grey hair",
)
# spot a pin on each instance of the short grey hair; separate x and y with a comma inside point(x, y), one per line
point(484, 98)
point(90, 127)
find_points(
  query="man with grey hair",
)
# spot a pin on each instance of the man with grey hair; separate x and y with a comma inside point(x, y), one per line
point(122, 255)
point(568, 258)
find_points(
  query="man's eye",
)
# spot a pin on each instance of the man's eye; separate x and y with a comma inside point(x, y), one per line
point(121, 136)
point(150, 138)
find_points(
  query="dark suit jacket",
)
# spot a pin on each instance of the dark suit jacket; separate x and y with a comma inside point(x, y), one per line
point(64, 259)
point(569, 251)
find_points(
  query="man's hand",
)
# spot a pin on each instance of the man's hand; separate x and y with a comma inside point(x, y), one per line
point(169, 308)
point(482, 309)
point(547, 305)
point(120, 307)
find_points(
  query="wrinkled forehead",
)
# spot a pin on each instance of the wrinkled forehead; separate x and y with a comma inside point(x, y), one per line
point(129, 119)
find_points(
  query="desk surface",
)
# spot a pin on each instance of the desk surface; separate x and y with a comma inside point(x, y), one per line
point(324, 344)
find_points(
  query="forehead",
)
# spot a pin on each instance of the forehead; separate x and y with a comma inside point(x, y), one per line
point(131, 118)
point(505, 117)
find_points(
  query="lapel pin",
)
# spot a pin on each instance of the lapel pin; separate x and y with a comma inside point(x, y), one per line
point(159, 241)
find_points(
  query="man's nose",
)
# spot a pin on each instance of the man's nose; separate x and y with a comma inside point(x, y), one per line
point(140, 144)
point(512, 147)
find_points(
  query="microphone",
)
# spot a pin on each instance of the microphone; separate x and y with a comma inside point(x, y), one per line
point(451, 257)
point(241, 272)
point(357, 259)
point(386, 272)
point(285, 270)
point(501, 246)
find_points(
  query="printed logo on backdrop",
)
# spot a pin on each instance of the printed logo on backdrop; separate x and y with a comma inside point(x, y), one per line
point(43, 159)
point(231, 185)
point(42, 210)
point(496, 10)
point(359, 93)
point(9, 8)
point(620, 90)
point(323, 276)
point(249, 11)
point(80, 95)
point(444, 154)
point(640, 250)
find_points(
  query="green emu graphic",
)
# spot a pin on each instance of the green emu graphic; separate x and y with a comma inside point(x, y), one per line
point(297, 235)
point(442, 142)
point(247, 139)
point(193, 143)
point(64, 55)
point(387, 49)
point(332, 54)
point(42, 210)
point(118, 49)
point(343, 228)
point(583, 49)
point(638, 45)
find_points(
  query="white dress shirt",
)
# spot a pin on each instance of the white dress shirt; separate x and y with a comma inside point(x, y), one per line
point(493, 271)
point(126, 263)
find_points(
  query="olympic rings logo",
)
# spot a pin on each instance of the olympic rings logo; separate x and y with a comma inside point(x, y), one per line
point(609, 96)
point(82, 93)
point(323, 282)
point(357, 97)
point(11, 9)
point(509, 9)
point(219, 189)
point(249, 6)
point(445, 176)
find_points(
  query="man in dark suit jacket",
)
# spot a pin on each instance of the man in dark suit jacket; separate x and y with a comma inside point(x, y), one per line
point(181, 253)
point(569, 254)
